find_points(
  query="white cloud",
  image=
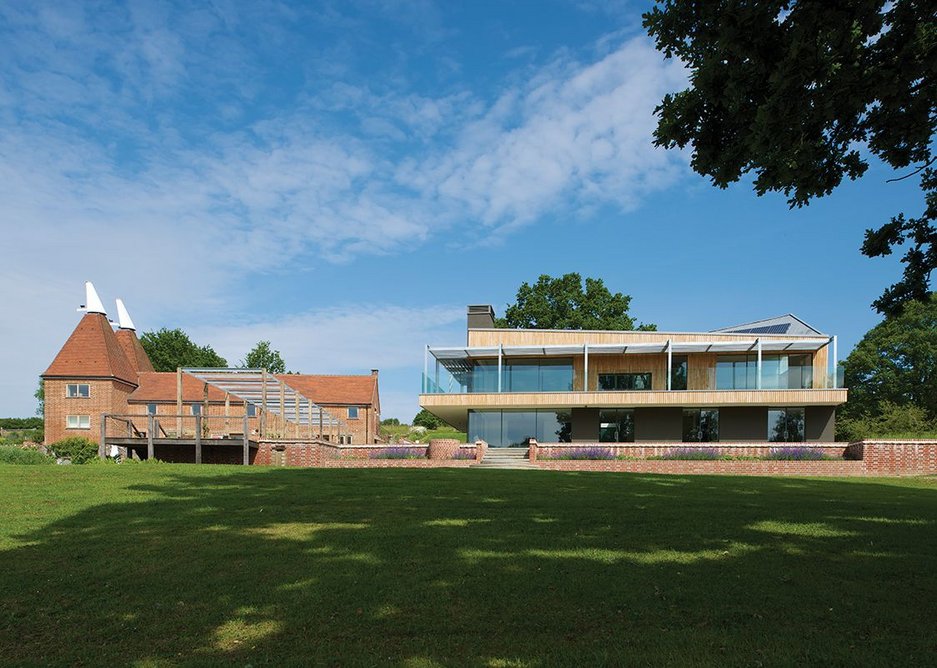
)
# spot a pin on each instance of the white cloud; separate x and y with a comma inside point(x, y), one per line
point(104, 176)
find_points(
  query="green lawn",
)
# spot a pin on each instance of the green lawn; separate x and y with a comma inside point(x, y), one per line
point(170, 564)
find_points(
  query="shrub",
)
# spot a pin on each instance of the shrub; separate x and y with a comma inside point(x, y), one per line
point(76, 448)
point(691, 453)
point(594, 452)
point(398, 453)
point(426, 419)
point(796, 453)
point(10, 454)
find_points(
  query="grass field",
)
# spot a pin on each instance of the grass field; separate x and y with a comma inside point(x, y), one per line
point(172, 564)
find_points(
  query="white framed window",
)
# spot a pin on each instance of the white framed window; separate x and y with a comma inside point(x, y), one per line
point(77, 390)
point(151, 409)
point(196, 409)
point(78, 422)
point(352, 412)
point(251, 410)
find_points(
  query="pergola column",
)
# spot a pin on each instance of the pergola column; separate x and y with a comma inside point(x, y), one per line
point(585, 367)
point(758, 372)
point(500, 364)
point(669, 364)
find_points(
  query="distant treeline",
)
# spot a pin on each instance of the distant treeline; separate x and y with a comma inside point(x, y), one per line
point(21, 423)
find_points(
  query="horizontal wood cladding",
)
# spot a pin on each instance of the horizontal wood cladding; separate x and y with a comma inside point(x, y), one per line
point(688, 398)
point(534, 337)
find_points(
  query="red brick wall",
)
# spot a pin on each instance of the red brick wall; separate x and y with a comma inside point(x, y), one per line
point(644, 450)
point(889, 458)
point(106, 396)
point(684, 467)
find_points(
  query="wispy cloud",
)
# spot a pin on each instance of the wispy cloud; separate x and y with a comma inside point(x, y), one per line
point(131, 153)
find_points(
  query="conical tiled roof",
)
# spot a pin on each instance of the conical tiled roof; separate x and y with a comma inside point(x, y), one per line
point(92, 351)
point(133, 350)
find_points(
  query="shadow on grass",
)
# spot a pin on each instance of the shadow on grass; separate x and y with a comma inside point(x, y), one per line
point(349, 567)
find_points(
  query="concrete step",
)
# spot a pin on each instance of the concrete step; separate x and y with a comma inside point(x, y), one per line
point(505, 458)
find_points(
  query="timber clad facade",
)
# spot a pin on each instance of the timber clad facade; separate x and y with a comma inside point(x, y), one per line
point(99, 371)
point(772, 381)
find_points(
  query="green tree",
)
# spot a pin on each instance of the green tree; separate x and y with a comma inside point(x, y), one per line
point(262, 356)
point(390, 422)
point(40, 395)
point(563, 303)
point(895, 364)
point(169, 349)
point(426, 419)
point(799, 93)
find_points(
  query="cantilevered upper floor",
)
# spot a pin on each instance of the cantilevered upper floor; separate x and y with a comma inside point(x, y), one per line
point(779, 361)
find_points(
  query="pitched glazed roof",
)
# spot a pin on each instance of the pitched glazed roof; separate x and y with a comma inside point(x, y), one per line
point(92, 351)
point(133, 350)
point(161, 386)
point(782, 324)
point(324, 389)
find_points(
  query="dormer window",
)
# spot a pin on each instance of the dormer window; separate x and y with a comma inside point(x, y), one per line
point(77, 390)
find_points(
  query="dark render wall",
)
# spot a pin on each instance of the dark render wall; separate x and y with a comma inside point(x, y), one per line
point(820, 423)
point(658, 424)
point(743, 423)
point(585, 425)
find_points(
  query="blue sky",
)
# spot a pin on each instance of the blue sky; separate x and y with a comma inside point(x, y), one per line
point(343, 178)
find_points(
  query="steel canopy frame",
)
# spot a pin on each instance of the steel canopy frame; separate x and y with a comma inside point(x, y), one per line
point(268, 393)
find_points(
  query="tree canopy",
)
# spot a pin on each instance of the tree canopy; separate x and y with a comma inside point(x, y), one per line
point(426, 419)
point(262, 356)
point(799, 93)
point(563, 303)
point(169, 349)
point(895, 362)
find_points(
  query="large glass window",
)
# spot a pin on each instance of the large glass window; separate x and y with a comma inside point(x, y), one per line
point(616, 426)
point(554, 427)
point(517, 427)
point(536, 375)
point(778, 372)
point(484, 376)
point(678, 371)
point(700, 425)
point(786, 425)
point(624, 382)
point(505, 428)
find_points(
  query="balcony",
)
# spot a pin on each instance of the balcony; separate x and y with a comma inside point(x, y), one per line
point(637, 372)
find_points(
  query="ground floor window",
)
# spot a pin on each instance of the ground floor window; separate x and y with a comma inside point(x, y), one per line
point(786, 425)
point(78, 422)
point(505, 428)
point(616, 426)
point(700, 425)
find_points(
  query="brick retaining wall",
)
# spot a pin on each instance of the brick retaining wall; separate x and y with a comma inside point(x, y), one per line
point(688, 467)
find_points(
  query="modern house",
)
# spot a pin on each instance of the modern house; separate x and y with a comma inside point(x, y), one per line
point(770, 380)
point(100, 371)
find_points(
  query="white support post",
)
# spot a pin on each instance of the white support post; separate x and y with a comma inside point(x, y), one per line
point(500, 364)
point(585, 367)
point(835, 366)
point(426, 370)
point(758, 378)
point(669, 363)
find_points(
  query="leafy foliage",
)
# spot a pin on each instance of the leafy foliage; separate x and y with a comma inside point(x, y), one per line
point(262, 356)
point(791, 90)
point(10, 454)
point(40, 395)
point(21, 423)
point(895, 362)
point(169, 349)
point(563, 303)
point(426, 419)
point(76, 448)
point(390, 422)
point(891, 421)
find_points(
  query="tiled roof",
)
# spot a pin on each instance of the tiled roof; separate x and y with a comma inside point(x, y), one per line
point(92, 351)
point(323, 389)
point(161, 386)
point(133, 350)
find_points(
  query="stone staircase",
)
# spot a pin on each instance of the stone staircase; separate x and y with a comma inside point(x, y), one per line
point(505, 458)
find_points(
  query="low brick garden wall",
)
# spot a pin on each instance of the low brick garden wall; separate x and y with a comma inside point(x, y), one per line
point(865, 458)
